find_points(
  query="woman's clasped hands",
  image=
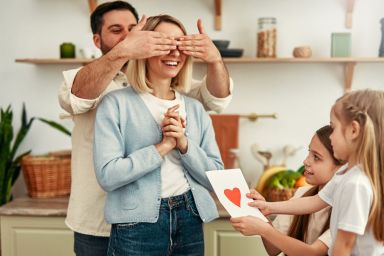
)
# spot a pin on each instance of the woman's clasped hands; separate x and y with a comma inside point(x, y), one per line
point(173, 130)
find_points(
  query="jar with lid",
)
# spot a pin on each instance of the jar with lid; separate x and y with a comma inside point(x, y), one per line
point(266, 37)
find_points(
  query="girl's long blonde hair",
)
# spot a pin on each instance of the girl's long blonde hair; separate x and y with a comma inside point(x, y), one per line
point(137, 69)
point(367, 108)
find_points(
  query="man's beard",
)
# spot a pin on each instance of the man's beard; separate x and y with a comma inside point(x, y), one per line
point(103, 47)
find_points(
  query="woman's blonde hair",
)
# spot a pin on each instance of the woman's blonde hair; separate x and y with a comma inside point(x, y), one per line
point(367, 108)
point(137, 69)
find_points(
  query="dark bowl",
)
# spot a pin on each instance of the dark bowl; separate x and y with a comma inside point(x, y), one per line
point(221, 44)
point(231, 52)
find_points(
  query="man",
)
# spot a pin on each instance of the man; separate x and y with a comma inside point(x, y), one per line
point(117, 32)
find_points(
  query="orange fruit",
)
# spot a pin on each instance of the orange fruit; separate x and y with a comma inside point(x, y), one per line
point(300, 182)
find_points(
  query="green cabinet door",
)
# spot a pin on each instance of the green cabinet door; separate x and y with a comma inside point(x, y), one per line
point(35, 236)
point(222, 240)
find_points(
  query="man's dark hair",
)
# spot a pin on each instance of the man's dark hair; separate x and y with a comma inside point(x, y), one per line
point(98, 13)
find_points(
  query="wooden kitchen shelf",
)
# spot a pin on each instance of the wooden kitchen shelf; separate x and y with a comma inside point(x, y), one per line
point(50, 61)
point(349, 63)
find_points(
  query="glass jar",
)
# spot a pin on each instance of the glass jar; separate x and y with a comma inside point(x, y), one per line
point(266, 38)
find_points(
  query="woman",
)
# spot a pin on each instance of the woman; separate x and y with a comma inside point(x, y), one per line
point(152, 148)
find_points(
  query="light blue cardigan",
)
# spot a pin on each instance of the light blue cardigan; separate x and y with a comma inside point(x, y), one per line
point(127, 164)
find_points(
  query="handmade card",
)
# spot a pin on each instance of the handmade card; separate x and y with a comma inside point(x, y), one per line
point(231, 188)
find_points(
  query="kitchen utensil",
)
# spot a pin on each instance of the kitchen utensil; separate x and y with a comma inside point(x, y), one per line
point(288, 150)
point(267, 155)
point(255, 150)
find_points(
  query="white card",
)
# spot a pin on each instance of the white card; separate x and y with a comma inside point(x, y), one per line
point(231, 188)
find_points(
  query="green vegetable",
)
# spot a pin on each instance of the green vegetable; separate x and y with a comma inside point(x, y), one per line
point(275, 183)
point(284, 179)
point(301, 170)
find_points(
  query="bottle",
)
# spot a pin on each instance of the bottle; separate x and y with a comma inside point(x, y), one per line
point(381, 50)
point(266, 37)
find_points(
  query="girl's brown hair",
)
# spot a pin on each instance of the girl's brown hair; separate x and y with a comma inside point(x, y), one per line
point(137, 70)
point(366, 107)
point(299, 225)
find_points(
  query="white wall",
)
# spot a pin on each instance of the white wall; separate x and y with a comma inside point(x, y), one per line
point(301, 94)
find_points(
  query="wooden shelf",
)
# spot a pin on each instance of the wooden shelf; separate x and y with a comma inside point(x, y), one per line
point(303, 60)
point(50, 61)
point(226, 60)
point(349, 63)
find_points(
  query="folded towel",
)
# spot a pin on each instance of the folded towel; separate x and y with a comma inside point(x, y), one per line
point(226, 129)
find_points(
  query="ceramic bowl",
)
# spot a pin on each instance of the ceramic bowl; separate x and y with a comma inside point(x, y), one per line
point(221, 44)
point(231, 52)
point(302, 52)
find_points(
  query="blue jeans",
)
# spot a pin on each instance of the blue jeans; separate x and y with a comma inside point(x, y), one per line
point(88, 245)
point(178, 231)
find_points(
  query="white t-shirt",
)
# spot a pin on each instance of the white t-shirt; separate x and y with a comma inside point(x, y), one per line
point(173, 181)
point(350, 195)
point(315, 225)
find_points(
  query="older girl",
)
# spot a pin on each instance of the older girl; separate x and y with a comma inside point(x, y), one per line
point(152, 167)
point(302, 234)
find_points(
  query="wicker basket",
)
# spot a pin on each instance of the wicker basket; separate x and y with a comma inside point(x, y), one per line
point(276, 194)
point(48, 176)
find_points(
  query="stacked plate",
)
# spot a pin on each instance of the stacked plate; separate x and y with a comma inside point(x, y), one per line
point(222, 45)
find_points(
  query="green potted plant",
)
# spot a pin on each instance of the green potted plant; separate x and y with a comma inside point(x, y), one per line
point(10, 163)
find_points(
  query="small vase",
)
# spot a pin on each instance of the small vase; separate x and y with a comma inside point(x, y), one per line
point(381, 50)
point(67, 50)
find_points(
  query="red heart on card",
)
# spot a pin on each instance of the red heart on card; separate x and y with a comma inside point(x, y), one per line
point(233, 195)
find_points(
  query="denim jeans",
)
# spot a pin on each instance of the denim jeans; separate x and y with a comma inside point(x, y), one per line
point(88, 245)
point(178, 231)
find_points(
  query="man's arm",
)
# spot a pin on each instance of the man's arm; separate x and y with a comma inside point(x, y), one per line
point(94, 78)
point(201, 46)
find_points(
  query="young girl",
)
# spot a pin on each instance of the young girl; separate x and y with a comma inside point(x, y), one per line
point(152, 167)
point(356, 191)
point(302, 234)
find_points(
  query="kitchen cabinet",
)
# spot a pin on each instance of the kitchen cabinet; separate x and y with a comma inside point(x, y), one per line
point(35, 236)
point(222, 240)
point(349, 63)
point(35, 227)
